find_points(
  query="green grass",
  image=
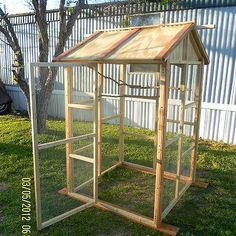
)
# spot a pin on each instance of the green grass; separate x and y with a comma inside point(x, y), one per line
point(209, 211)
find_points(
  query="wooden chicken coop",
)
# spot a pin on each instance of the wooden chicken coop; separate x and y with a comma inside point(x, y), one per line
point(166, 48)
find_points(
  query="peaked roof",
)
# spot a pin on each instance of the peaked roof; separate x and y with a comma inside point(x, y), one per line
point(146, 44)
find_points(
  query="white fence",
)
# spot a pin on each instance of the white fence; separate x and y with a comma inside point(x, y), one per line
point(218, 120)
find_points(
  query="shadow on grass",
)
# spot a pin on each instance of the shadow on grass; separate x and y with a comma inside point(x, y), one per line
point(20, 150)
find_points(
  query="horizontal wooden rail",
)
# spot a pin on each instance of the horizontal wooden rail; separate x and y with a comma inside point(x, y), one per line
point(144, 169)
point(188, 150)
point(111, 168)
point(82, 158)
point(67, 214)
point(130, 96)
point(64, 141)
point(80, 197)
point(90, 180)
point(83, 148)
point(141, 97)
point(76, 189)
point(190, 105)
point(110, 117)
point(172, 176)
point(148, 222)
point(149, 170)
point(178, 122)
point(128, 214)
point(81, 106)
point(171, 141)
point(184, 62)
point(140, 135)
point(90, 100)
point(174, 201)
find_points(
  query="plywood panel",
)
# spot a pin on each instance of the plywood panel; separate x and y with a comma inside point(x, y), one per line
point(147, 44)
point(193, 54)
point(98, 46)
point(177, 54)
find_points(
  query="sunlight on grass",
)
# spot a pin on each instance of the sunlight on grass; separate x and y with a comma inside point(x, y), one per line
point(200, 212)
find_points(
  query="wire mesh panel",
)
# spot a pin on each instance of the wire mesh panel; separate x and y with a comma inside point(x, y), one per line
point(122, 184)
point(171, 154)
point(173, 135)
point(83, 178)
point(110, 146)
point(139, 146)
point(168, 193)
point(129, 189)
point(188, 142)
point(180, 133)
point(179, 127)
point(52, 169)
point(109, 116)
point(82, 121)
point(63, 142)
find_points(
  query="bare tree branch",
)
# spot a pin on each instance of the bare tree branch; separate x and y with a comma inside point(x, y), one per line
point(62, 14)
point(73, 16)
point(41, 21)
point(5, 41)
point(6, 28)
point(9, 32)
point(8, 37)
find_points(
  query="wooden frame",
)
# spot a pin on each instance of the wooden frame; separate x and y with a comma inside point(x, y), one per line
point(164, 63)
point(160, 136)
point(122, 112)
point(68, 124)
point(35, 144)
point(100, 87)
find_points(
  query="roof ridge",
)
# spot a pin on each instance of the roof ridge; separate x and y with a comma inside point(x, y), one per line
point(146, 26)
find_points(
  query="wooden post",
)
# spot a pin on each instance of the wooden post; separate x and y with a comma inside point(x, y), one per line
point(181, 126)
point(161, 137)
point(35, 149)
point(198, 95)
point(100, 85)
point(95, 130)
point(156, 116)
point(122, 112)
point(68, 83)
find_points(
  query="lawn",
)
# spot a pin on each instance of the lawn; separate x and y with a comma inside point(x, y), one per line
point(209, 211)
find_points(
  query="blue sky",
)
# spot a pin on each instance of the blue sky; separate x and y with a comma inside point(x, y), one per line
point(20, 6)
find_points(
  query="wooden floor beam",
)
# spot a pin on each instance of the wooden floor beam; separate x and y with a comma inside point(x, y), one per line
point(200, 184)
point(137, 218)
point(149, 170)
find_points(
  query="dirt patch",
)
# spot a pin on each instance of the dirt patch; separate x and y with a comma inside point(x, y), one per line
point(3, 187)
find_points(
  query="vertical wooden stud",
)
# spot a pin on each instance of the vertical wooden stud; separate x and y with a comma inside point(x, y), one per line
point(122, 111)
point(156, 115)
point(68, 83)
point(100, 85)
point(95, 130)
point(33, 113)
point(181, 126)
point(161, 137)
point(198, 95)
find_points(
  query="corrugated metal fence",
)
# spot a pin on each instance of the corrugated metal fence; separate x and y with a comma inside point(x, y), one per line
point(218, 120)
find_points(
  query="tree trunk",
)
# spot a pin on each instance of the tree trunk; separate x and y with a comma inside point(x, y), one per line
point(43, 96)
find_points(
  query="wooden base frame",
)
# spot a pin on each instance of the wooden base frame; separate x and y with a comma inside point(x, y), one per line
point(137, 218)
